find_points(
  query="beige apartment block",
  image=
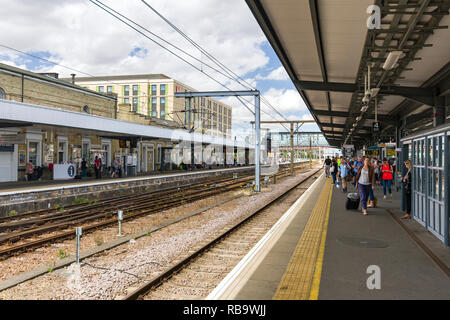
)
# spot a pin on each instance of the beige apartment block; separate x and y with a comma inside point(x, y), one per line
point(152, 95)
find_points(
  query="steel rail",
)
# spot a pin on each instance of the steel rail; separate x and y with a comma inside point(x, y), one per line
point(156, 281)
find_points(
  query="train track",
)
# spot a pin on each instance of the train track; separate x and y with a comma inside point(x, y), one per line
point(203, 268)
point(103, 213)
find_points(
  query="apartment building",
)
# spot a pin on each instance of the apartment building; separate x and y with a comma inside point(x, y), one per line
point(152, 95)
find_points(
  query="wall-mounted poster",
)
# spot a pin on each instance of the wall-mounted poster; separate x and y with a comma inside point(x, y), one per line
point(22, 157)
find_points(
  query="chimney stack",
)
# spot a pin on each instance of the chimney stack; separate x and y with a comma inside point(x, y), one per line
point(73, 77)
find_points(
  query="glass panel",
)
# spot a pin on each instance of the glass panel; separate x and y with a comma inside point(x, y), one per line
point(442, 153)
point(420, 181)
point(430, 183)
point(430, 152)
point(135, 103)
point(436, 185)
point(443, 187)
point(436, 152)
point(422, 152)
point(32, 152)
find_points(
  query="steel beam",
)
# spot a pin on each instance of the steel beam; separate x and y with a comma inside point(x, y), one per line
point(216, 94)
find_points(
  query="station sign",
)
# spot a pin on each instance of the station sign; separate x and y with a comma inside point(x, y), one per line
point(6, 148)
point(63, 171)
point(12, 138)
point(390, 153)
point(376, 126)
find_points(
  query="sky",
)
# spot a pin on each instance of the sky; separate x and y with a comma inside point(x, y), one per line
point(82, 36)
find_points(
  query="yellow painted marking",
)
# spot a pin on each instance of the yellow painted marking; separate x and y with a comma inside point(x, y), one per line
point(302, 276)
point(319, 263)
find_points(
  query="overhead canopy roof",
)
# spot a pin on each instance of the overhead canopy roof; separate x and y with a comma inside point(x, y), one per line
point(18, 114)
point(326, 48)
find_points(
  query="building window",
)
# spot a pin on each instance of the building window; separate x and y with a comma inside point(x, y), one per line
point(154, 88)
point(2, 94)
point(33, 152)
point(135, 104)
point(85, 150)
point(62, 152)
point(162, 90)
point(126, 100)
point(101, 89)
point(109, 89)
point(162, 108)
point(135, 90)
point(126, 90)
point(154, 113)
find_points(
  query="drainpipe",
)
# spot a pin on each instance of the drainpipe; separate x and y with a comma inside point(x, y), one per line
point(23, 81)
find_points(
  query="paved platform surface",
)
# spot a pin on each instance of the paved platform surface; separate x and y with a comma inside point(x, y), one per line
point(353, 243)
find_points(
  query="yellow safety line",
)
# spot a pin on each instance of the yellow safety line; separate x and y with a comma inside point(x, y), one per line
point(299, 281)
point(319, 263)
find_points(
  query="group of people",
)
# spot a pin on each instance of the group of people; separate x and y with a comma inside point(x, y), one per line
point(364, 173)
point(98, 167)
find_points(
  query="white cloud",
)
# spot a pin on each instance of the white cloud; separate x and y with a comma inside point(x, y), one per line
point(78, 34)
point(277, 74)
point(86, 38)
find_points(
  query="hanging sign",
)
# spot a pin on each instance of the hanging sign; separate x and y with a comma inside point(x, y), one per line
point(376, 126)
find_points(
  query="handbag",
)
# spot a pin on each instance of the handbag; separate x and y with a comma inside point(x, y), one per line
point(332, 169)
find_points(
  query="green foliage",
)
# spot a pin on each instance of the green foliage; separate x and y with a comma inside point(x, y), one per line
point(62, 254)
point(80, 201)
point(12, 213)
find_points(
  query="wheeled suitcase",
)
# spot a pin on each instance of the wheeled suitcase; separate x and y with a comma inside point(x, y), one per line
point(352, 202)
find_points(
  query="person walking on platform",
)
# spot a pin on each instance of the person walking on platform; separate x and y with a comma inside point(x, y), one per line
point(83, 168)
point(366, 182)
point(386, 177)
point(334, 169)
point(372, 202)
point(327, 165)
point(407, 185)
point(97, 167)
point(344, 169)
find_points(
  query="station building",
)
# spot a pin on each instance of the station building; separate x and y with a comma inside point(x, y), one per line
point(152, 95)
point(45, 120)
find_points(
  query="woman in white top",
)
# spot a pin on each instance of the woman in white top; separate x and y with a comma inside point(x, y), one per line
point(365, 181)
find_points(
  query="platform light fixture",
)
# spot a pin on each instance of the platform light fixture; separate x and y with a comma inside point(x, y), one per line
point(392, 60)
point(364, 108)
point(358, 118)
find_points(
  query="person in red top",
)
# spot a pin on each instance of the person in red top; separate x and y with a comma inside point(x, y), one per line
point(386, 177)
point(97, 167)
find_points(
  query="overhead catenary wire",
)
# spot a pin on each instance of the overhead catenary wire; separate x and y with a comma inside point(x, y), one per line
point(213, 59)
point(90, 75)
point(99, 4)
point(115, 13)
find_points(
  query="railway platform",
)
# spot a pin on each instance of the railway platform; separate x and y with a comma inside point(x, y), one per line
point(320, 250)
